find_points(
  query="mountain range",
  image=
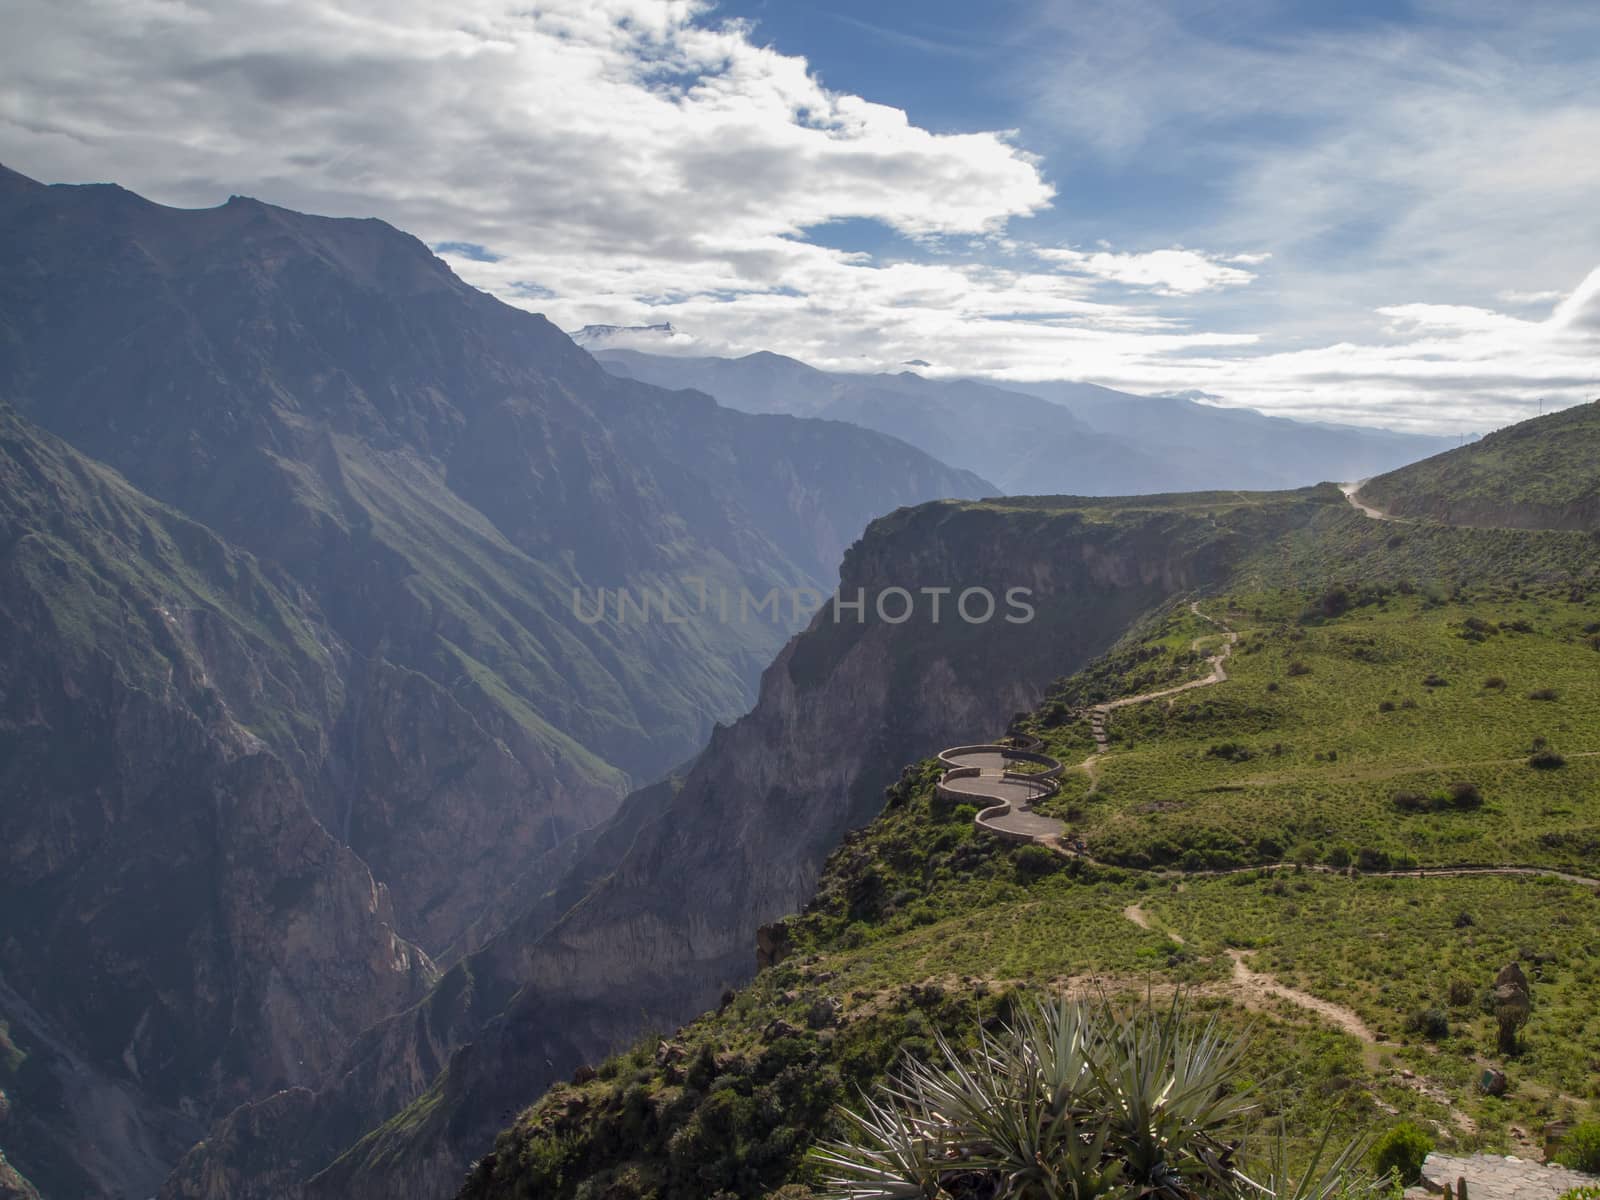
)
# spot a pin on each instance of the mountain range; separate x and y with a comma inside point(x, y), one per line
point(345, 808)
point(1046, 438)
point(302, 542)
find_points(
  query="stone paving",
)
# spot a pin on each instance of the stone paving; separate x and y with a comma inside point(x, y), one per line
point(1493, 1177)
point(1009, 811)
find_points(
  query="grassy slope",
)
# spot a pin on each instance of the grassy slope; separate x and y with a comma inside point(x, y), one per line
point(1536, 474)
point(921, 924)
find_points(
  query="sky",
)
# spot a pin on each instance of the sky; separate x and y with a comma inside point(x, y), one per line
point(1381, 214)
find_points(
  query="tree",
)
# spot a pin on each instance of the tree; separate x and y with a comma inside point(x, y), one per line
point(1513, 1005)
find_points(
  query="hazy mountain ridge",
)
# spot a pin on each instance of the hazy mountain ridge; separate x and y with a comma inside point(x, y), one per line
point(1048, 438)
point(421, 477)
point(177, 908)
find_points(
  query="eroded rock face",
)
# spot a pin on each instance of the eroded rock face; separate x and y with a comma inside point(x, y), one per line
point(182, 931)
point(681, 898)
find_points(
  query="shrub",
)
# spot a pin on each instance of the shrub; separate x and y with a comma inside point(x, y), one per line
point(1431, 1023)
point(1232, 751)
point(1434, 681)
point(1544, 694)
point(1297, 667)
point(1461, 991)
point(1546, 760)
point(964, 814)
point(1035, 861)
point(1401, 1152)
point(1590, 1192)
point(1580, 1149)
point(1465, 795)
point(1369, 860)
point(1495, 683)
point(1387, 706)
point(1407, 801)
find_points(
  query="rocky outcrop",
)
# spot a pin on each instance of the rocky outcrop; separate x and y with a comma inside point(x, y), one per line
point(677, 908)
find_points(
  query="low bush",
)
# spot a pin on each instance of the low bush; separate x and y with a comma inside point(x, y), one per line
point(1460, 796)
point(1434, 681)
point(1431, 1023)
point(1546, 760)
point(1401, 1152)
point(1495, 683)
point(1580, 1149)
point(1544, 694)
point(1297, 667)
point(1369, 860)
point(1232, 751)
point(1035, 861)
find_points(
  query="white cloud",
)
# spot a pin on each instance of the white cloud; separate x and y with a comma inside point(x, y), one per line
point(638, 161)
point(1173, 272)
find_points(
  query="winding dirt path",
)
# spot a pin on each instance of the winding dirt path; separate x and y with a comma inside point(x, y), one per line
point(1259, 985)
point(1350, 491)
point(982, 773)
point(1100, 714)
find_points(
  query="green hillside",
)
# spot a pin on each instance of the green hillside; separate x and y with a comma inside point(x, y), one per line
point(1280, 844)
point(1538, 474)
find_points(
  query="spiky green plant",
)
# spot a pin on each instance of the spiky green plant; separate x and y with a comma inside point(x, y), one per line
point(1074, 1102)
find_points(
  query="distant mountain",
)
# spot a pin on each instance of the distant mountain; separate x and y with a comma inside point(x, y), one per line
point(1081, 440)
point(301, 542)
point(1238, 447)
point(1024, 444)
point(1538, 474)
point(594, 337)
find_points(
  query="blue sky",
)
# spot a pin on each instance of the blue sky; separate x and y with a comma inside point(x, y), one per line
point(1361, 212)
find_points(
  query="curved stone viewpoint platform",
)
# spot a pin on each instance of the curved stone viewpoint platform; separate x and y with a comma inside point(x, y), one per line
point(984, 775)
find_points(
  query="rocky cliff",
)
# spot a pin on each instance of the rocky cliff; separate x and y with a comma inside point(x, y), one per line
point(688, 878)
point(172, 900)
point(293, 685)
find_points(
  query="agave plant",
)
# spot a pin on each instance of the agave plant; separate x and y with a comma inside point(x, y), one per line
point(1074, 1102)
